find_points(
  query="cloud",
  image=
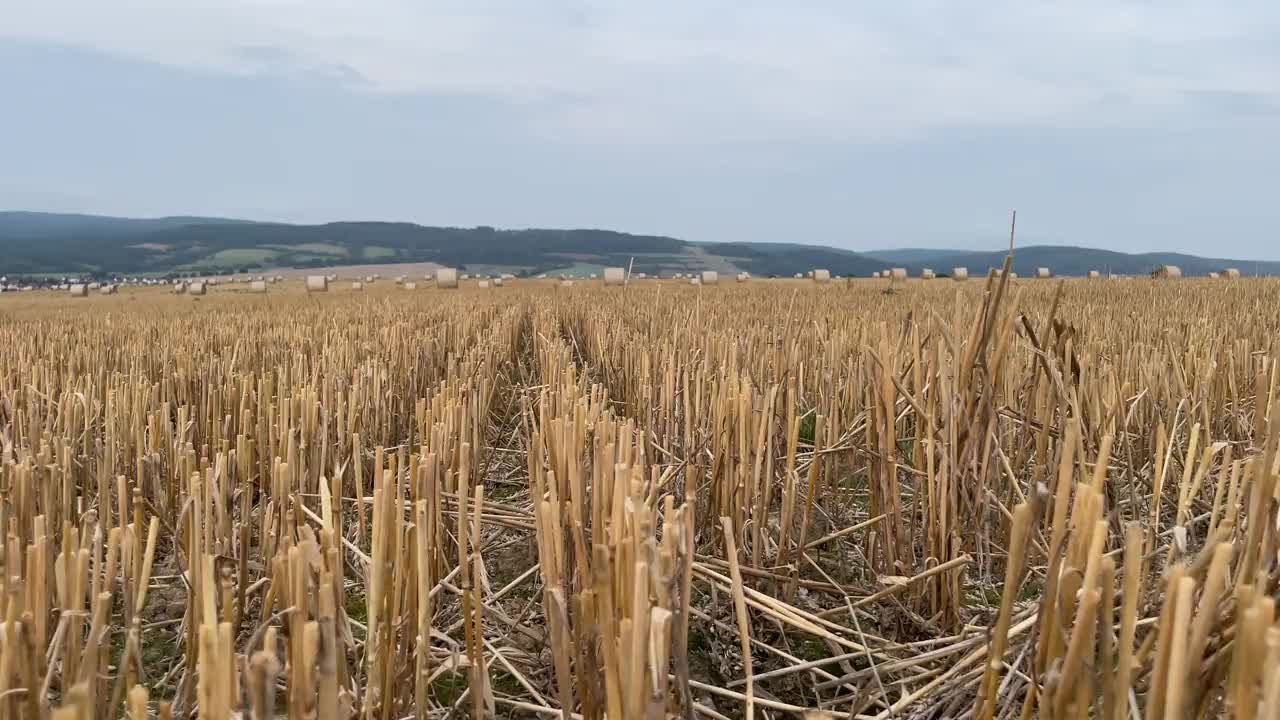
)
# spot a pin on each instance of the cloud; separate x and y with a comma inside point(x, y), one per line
point(670, 71)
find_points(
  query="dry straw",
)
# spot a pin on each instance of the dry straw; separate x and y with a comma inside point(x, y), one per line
point(1030, 501)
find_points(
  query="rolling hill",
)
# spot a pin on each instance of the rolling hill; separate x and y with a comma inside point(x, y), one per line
point(48, 243)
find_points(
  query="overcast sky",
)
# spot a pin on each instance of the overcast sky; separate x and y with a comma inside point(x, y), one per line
point(1136, 126)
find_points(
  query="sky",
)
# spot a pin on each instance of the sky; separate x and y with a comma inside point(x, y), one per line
point(1135, 126)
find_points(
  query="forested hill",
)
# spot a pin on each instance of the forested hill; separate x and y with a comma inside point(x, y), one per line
point(47, 243)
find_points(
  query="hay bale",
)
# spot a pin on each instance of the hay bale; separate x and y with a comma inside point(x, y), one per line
point(317, 283)
point(79, 290)
point(710, 277)
point(928, 274)
point(1213, 275)
point(1167, 272)
point(1231, 273)
point(959, 274)
point(642, 276)
point(898, 274)
point(108, 289)
point(694, 281)
point(483, 284)
point(615, 276)
point(566, 283)
point(410, 286)
point(195, 288)
point(820, 275)
point(1094, 274)
point(1043, 273)
point(799, 276)
point(179, 287)
point(258, 286)
point(743, 277)
point(93, 286)
point(497, 282)
point(357, 286)
point(446, 278)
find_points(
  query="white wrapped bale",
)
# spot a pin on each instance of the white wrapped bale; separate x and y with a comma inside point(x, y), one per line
point(615, 276)
point(258, 286)
point(742, 277)
point(447, 278)
point(799, 276)
point(1094, 274)
point(875, 274)
point(79, 290)
point(317, 283)
point(959, 274)
point(710, 277)
point(1043, 273)
point(928, 274)
point(820, 275)
point(195, 288)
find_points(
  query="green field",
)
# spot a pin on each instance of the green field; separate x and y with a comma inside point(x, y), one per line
point(313, 248)
point(377, 252)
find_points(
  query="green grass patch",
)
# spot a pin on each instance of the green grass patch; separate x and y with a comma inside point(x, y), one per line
point(377, 252)
point(313, 248)
point(237, 257)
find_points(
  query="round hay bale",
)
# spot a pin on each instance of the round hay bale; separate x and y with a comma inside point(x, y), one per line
point(1094, 274)
point(79, 290)
point(695, 281)
point(1043, 273)
point(820, 275)
point(899, 274)
point(317, 283)
point(446, 278)
point(410, 286)
point(258, 286)
point(1231, 273)
point(928, 274)
point(179, 287)
point(710, 277)
point(875, 274)
point(497, 282)
point(195, 288)
point(1213, 275)
point(615, 276)
point(960, 274)
point(483, 284)
point(743, 277)
point(357, 286)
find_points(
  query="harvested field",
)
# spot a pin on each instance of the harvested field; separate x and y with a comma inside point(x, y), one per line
point(768, 499)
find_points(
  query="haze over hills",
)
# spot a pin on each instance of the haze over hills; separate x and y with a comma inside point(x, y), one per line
point(47, 243)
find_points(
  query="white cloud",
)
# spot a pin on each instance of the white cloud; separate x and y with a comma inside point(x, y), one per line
point(707, 71)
